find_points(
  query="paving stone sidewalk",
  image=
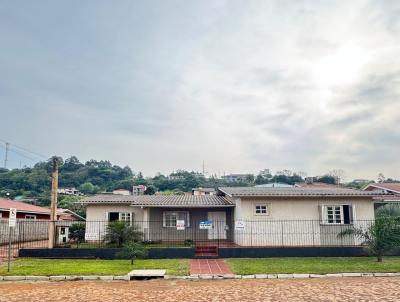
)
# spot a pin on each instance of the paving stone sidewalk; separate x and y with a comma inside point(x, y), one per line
point(318, 289)
point(209, 267)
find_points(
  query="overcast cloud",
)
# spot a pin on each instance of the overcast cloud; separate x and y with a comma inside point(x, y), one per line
point(243, 85)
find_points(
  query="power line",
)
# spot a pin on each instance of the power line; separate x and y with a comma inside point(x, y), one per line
point(41, 156)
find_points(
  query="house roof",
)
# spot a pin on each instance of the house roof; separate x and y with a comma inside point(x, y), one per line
point(204, 189)
point(315, 185)
point(390, 186)
point(6, 204)
point(291, 192)
point(195, 201)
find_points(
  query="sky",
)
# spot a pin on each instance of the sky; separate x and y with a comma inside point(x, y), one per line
point(242, 85)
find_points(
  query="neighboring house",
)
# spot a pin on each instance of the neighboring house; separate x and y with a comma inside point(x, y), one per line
point(242, 215)
point(237, 177)
point(203, 191)
point(391, 192)
point(121, 192)
point(68, 215)
point(24, 210)
point(390, 187)
point(69, 191)
point(138, 190)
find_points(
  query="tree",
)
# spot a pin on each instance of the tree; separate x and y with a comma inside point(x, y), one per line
point(328, 179)
point(150, 190)
point(120, 232)
point(76, 233)
point(380, 237)
point(87, 188)
point(388, 210)
point(133, 250)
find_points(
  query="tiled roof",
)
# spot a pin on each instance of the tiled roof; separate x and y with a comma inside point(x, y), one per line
point(6, 204)
point(291, 192)
point(393, 186)
point(160, 200)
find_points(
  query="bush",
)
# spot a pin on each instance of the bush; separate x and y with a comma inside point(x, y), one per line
point(188, 242)
point(76, 233)
point(121, 232)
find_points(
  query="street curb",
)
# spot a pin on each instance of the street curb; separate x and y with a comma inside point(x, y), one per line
point(196, 277)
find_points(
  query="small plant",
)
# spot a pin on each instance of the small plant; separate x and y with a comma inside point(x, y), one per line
point(380, 237)
point(76, 233)
point(121, 232)
point(133, 250)
point(188, 242)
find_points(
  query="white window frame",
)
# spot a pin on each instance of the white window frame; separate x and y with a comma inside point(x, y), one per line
point(187, 219)
point(125, 216)
point(325, 219)
point(30, 216)
point(267, 209)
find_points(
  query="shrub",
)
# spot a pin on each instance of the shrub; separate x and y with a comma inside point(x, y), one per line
point(76, 233)
point(121, 232)
point(380, 237)
point(188, 242)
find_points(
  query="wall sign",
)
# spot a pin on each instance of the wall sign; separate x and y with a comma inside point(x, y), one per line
point(206, 225)
point(239, 225)
point(180, 225)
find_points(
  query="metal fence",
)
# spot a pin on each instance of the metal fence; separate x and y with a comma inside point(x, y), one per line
point(246, 233)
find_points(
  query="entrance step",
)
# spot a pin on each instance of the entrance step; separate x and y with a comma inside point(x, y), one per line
point(204, 251)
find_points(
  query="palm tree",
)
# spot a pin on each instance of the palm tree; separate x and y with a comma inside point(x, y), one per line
point(120, 232)
point(380, 237)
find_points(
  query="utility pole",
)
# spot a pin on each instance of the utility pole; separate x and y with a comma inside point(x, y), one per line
point(53, 210)
point(203, 169)
point(6, 155)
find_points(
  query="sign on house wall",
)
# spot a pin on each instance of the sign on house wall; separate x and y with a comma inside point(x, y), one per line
point(239, 225)
point(206, 225)
point(180, 225)
point(92, 236)
point(12, 218)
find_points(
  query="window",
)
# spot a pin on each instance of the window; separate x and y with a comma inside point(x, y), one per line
point(122, 216)
point(261, 209)
point(170, 218)
point(337, 214)
point(30, 217)
point(125, 217)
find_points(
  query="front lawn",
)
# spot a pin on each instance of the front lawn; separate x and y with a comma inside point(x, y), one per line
point(249, 266)
point(49, 267)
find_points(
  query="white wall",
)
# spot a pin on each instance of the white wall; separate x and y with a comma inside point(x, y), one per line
point(303, 229)
point(96, 217)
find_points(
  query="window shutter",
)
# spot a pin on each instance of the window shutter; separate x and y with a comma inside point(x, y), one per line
point(322, 216)
point(106, 216)
point(132, 217)
point(164, 223)
point(352, 209)
point(187, 219)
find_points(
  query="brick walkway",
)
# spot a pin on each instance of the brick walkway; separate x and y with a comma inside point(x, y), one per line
point(209, 267)
point(310, 290)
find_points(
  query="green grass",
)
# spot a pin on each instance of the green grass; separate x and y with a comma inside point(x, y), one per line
point(313, 265)
point(48, 267)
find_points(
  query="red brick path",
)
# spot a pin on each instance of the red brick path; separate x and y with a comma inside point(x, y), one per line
point(209, 267)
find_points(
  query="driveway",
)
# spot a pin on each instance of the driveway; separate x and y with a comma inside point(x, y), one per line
point(326, 289)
